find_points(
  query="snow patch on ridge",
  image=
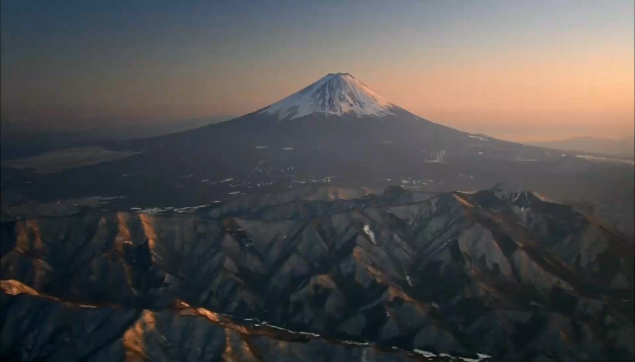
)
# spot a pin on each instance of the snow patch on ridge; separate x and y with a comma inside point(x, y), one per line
point(334, 94)
point(370, 233)
point(427, 354)
point(605, 159)
point(477, 137)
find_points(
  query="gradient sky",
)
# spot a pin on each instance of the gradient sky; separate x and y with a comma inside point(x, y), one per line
point(520, 70)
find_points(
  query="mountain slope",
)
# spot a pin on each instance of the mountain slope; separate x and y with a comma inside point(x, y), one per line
point(179, 333)
point(501, 272)
point(336, 130)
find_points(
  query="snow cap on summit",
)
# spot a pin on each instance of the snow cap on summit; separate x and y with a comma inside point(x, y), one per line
point(334, 94)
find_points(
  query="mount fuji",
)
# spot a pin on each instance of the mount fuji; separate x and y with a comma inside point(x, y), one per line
point(336, 130)
point(334, 94)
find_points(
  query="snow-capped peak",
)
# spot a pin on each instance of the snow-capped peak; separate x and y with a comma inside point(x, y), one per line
point(333, 94)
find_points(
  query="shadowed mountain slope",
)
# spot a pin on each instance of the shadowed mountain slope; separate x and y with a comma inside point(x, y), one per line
point(500, 272)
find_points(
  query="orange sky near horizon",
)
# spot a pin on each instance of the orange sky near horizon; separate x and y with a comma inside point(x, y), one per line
point(522, 71)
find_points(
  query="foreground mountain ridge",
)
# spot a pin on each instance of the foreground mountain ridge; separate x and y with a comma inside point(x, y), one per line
point(500, 272)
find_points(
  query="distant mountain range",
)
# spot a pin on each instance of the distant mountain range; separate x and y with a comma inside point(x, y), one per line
point(623, 147)
point(18, 142)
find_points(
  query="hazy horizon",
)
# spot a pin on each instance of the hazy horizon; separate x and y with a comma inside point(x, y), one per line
point(521, 71)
